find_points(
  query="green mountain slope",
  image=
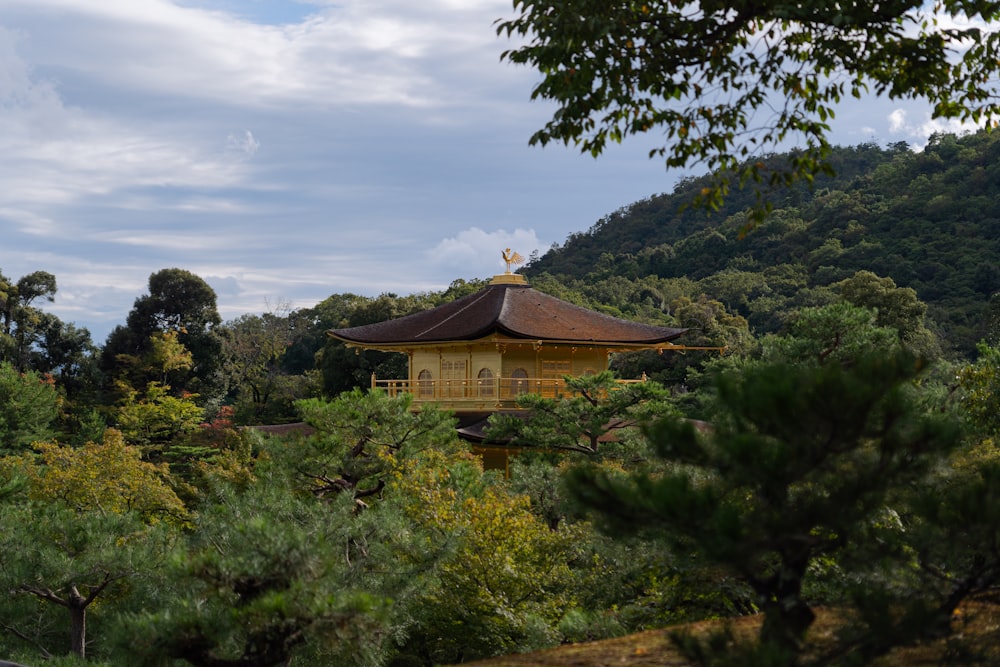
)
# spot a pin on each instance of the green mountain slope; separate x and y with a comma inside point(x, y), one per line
point(928, 220)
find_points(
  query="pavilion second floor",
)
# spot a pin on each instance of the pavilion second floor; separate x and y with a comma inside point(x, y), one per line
point(480, 394)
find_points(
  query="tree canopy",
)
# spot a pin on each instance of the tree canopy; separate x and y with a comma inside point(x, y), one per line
point(29, 404)
point(728, 82)
point(178, 301)
point(795, 468)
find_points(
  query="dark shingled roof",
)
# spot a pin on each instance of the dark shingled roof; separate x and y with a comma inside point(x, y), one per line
point(517, 311)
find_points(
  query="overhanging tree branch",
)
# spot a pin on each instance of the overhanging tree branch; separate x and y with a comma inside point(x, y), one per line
point(699, 71)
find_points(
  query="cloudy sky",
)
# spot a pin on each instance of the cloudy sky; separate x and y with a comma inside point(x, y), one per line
point(287, 150)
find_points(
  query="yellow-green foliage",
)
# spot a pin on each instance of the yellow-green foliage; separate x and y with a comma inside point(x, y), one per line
point(509, 561)
point(109, 476)
point(157, 417)
point(506, 581)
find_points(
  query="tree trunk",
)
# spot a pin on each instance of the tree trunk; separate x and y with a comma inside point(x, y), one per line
point(77, 623)
point(785, 625)
point(786, 615)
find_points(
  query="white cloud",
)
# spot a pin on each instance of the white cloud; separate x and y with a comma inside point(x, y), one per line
point(897, 121)
point(918, 132)
point(57, 154)
point(28, 222)
point(244, 143)
point(165, 240)
point(353, 52)
point(478, 250)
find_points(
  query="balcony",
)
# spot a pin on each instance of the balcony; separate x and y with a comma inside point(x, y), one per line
point(477, 395)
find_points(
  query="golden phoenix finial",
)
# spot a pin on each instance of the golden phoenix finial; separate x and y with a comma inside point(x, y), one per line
point(511, 258)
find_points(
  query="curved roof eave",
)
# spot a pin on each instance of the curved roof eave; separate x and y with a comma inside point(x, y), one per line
point(513, 310)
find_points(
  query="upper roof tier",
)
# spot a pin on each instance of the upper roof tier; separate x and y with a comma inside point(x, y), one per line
point(512, 309)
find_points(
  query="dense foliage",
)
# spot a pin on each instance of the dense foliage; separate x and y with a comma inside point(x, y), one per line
point(200, 492)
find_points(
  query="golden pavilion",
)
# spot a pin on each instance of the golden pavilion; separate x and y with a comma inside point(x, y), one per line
point(476, 354)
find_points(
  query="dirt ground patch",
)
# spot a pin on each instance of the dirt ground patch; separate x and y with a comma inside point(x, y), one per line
point(976, 640)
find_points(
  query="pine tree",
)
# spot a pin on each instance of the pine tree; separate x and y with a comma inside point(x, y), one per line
point(798, 460)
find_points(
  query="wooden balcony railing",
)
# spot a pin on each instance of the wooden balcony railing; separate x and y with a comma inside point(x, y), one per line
point(500, 391)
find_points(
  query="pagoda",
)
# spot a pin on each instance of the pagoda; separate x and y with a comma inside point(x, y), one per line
point(476, 354)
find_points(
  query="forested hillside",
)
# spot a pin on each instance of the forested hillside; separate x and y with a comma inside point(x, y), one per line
point(928, 220)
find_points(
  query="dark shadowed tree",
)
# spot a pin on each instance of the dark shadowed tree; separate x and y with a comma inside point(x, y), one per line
point(798, 462)
point(180, 301)
point(258, 382)
point(345, 368)
point(265, 575)
point(20, 320)
point(67, 352)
